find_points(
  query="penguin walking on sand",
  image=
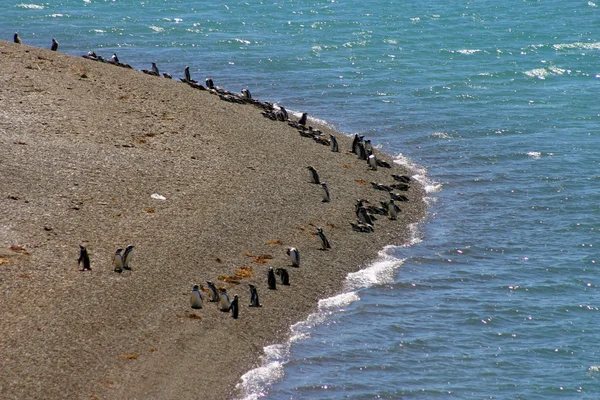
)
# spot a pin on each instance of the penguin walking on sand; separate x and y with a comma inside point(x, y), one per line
point(196, 298)
point(334, 144)
point(324, 242)
point(213, 293)
point(393, 210)
point(54, 46)
point(294, 255)
point(325, 193)
point(224, 302)
point(284, 276)
point(84, 259)
point(313, 175)
point(118, 261)
point(254, 302)
point(234, 307)
point(16, 38)
point(127, 257)
point(271, 281)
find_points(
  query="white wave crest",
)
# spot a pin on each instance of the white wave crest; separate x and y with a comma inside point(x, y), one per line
point(577, 45)
point(534, 154)
point(156, 28)
point(31, 6)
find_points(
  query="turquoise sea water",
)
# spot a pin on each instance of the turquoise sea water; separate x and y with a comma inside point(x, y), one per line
point(494, 104)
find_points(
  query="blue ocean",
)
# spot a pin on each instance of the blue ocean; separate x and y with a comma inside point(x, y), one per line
point(494, 107)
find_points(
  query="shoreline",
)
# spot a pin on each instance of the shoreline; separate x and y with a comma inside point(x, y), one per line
point(87, 144)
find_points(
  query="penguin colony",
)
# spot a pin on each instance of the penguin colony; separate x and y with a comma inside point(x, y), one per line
point(365, 212)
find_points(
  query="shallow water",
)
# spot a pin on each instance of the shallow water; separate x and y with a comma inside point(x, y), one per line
point(493, 102)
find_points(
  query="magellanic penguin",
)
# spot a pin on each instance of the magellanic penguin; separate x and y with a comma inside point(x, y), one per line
point(188, 77)
point(325, 192)
point(313, 175)
point(196, 299)
point(363, 216)
point(234, 307)
point(372, 161)
point(213, 293)
point(118, 261)
point(355, 142)
point(294, 256)
point(246, 94)
point(209, 83)
point(114, 59)
point(401, 178)
point(254, 302)
point(154, 71)
point(368, 146)
point(271, 281)
point(284, 276)
point(54, 46)
point(324, 242)
point(393, 210)
point(84, 259)
point(16, 38)
point(334, 144)
point(224, 302)
point(361, 152)
point(303, 118)
point(128, 256)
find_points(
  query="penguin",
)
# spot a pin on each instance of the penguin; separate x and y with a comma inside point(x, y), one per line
point(363, 216)
point(400, 186)
point(334, 144)
point(127, 257)
point(246, 94)
point(294, 256)
point(284, 113)
point(355, 143)
point(271, 282)
point(324, 242)
point(54, 46)
point(325, 190)
point(254, 302)
point(118, 261)
point(224, 302)
point(196, 299)
point(209, 83)
point(84, 259)
point(303, 118)
point(234, 307)
point(91, 55)
point(379, 186)
point(314, 176)
point(401, 178)
point(398, 197)
point(372, 161)
point(154, 71)
point(284, 276)
point(114, 59)
point(368, 146)
point(214, 294)
point(167, 75)
point(361, 152)
point(16, 38)
point(393, 210)
point(188, 77)
point(360, 227)
point(383, 164)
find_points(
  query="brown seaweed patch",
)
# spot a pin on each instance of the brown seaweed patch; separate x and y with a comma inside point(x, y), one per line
point(275, 242)
point(244, 272)
point(260, 258)
point(229, 279)
point(150, 210)
point(130, 356)
point(191, 316)
point(360, 181)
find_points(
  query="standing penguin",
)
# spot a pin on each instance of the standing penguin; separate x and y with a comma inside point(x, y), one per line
point(294, 256)
point(271, 281)
point(303, 118)
point(84, 259)
point(254, 302)
point(224, 302)
point(334, 144)
point(325, 193)
point(355, 142)
point(324, 242)
point(368, 146)
point(54, 46)
point(196, 299)
point(393, 210)
point(118, 261)
point(313, 175)
point(246, 94)
point(284, 276)
point(372, 161)
point(16, 38)
point(214, 294)
point(363, 216)
point(234, 307)
point(127, 257)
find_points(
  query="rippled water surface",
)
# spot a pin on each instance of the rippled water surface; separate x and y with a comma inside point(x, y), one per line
point(494, 103)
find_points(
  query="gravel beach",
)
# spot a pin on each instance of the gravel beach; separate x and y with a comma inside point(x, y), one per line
point(83, 147)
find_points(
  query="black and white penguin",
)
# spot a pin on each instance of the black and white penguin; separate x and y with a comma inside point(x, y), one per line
point(334, 144)
point(380, 186)
point(118, 261)
point(16, 38)
point(284, 276)
point(368, 146)
point(196, 298)
point(393, 210)
point(313, 175)
point(324, 242)
point(303, 118)
point(398, 197)
point(209, 83)
point(372, 161)
point(400, 186)
point(355, 142)
point(128, 256)
point(271, 281)
point(401, 178)
point(360, 227)
point(254, 302)
point(114, 59)
point(246, 94)
point(361, 152)
point(54, 46)
point(154, 71)
point(294, 256)
point(84, 259)
point(325, 193)
point(224, 302)
point(167, 75)
point(188, 77)
point(213, 294)
point(363, 216)
point(234, 307)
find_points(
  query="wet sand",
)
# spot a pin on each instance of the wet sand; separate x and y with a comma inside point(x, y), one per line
point(83, 146)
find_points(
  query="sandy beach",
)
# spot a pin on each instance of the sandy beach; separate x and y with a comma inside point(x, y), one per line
point(83, 147)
